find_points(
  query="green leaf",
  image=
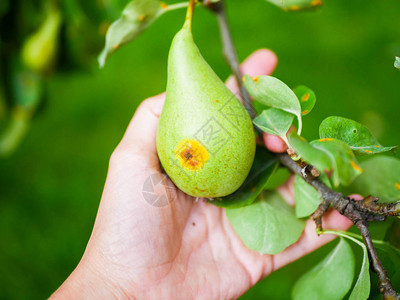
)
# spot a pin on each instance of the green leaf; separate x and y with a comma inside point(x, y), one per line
point(381, 179)
point(345, 167)
point(390, 258)
point(354, 134)
point(307, 198)
point(397, 62)
point(378, 230)
point(268, 226)
point(330, 279)
point(295, 5)
point(272, 92)
point(279, 177)
point(259, 108)
point(274, 121)
point(306, 98)
point(392, 234)
point(308, 153)
point(136, 17)
point(393, 254)
point(362, 288)
point(263, 167)
point(328, 155)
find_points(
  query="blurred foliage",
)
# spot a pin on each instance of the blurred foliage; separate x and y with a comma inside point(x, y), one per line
point(51, 186)
point(39, 39)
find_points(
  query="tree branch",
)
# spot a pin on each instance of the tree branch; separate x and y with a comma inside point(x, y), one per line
point(354, 211)
point(370, 204)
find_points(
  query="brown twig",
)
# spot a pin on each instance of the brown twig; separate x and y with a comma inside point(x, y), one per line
point(353, 210)
point(371, 204)
point(319, 213)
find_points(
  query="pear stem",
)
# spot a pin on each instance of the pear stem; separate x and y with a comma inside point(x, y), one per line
point(189, 14)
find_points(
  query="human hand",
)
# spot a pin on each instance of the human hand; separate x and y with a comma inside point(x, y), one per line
point(173, 247)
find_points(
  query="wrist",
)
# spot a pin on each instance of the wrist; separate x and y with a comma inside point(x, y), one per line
point(85, 282)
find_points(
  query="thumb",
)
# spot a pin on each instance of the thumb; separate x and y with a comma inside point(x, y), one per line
point(140, 136)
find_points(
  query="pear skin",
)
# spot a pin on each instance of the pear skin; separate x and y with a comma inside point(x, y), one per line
point(205, 137)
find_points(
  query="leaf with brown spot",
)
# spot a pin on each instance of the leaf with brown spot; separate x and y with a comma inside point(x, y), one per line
point(354, 134)
point(306, 98)
point(328, 155)
point(344, 164)
point(308, 153)
point(381, 179)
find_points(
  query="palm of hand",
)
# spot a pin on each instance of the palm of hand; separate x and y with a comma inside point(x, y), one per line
point(184, 249)
point(179, 249)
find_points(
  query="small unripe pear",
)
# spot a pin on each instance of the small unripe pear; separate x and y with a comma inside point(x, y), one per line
point(40, 49)
point(205, 138)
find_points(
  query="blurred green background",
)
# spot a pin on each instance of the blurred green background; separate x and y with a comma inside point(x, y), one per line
point(51, 186)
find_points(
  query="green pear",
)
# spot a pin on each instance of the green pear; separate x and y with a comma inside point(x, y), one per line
point(205, 137)
point(40, 49)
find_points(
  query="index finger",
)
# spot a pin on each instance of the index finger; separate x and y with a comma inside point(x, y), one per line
point(260, 62)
